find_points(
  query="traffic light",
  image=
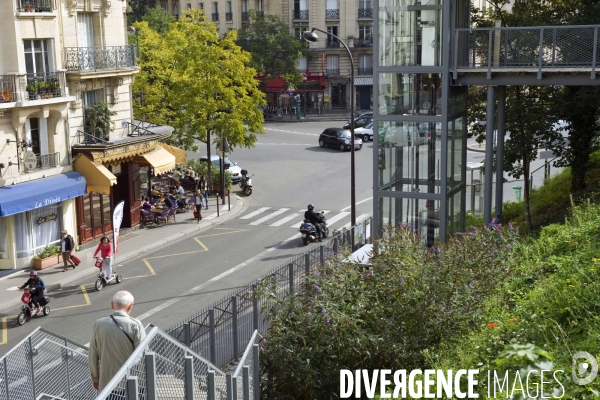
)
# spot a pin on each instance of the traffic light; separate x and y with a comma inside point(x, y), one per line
point(381, 159)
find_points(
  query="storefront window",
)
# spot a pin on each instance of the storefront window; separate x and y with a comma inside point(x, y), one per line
point(409, 32)
point(410, 94)
point(3, 238)
point(38, 228)
point(96, 210)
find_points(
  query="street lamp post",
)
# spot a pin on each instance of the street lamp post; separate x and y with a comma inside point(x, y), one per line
point(311, 36)
point(305, 97)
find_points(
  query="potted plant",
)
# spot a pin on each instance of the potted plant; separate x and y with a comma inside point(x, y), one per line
point(48, 257)
point(98, 120)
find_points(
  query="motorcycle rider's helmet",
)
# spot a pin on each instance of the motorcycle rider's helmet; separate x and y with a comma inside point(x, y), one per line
point(310, 207)
point(32, 274)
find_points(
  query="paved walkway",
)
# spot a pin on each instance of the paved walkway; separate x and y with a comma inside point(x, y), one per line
point(131, 245)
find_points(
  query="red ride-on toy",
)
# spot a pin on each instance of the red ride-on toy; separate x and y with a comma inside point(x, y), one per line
point(28, 311)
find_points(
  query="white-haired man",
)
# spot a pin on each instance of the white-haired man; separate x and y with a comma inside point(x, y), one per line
point(113, 340)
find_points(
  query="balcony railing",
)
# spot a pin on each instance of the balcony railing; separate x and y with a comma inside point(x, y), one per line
point(332, 13)
point(333, 72)
point(7, 89)
point(229, 16)
point(365, 13)
point(215, 17)
point(301, 14)
point(45, 161)
point(365, 71)
point(45, 85)
point(88, 138)
point(245, 16)
point(332, 44)
point(363, 42)
point(100, 58)
point(36, 5)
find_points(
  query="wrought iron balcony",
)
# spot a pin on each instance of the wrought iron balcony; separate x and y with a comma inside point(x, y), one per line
point(229, 16)
point(363, 42)
point(88, 138)
point(365, 13)
point(332, 44)
point(365, 71)
point(7, 89)
point(36, 5)
point(100, 58)
point(215, 17)
point(245, 16)
point(333, 72)
point(45, 161)
point(301, 15)
point(332, 13)
point(45, 86)
point(260, 14)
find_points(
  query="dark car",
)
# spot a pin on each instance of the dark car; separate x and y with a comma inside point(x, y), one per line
point(361, 120)
point(338, 138)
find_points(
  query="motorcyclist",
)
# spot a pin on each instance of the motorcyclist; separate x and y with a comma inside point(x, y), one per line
point(315, 219)
point(36, 289)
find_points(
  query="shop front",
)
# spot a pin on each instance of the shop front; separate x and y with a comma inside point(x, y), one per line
point(117, 171)
point(32, 215)
point(311, 89)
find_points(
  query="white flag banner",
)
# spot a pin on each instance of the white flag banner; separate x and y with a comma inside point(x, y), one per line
point(117, 219)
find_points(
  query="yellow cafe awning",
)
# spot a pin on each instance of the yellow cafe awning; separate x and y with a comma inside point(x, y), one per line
point(180, 155)
point(160, 159)
point(99, 179)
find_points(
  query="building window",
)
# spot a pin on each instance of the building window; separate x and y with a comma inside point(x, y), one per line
point(260, 5)
point(228, 12)
point(96, 210)
point(332, 42)
point(302, 64)
point(92, 97)
point(189, 6)
point(365, 64)
point(33, 134)
point(38, 56)
point(215, 12)
point(333, 65)
point(200, 6)
point(365, 31)
point(31, 238)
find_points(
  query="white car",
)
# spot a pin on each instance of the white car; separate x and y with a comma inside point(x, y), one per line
point(236, 172)
point(365, 133)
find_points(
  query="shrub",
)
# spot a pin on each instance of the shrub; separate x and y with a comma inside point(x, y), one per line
point(47, 252)
point(387, 316)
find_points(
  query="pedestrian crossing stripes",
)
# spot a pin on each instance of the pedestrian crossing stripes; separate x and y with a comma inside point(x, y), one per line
point(276, 217)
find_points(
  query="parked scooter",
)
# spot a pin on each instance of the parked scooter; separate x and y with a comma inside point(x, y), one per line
point(101, 281)
point(246, 183)
point(309, 232)
point(28, 310)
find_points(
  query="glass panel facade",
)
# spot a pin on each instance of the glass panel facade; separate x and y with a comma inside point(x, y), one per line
point(457, 142)
point(410, 94)
point(420, 214)
point(455, 214)
point(410, 32)
point(409, 157)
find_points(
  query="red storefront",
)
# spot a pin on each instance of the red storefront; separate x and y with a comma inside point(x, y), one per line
point(311, 90)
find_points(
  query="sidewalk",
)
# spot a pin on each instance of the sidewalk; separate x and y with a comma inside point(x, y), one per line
point(131, 245)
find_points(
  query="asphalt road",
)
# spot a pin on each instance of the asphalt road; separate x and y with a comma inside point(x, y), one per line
point(289, 171)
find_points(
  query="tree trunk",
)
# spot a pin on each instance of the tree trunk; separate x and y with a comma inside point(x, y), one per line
point(526, 192)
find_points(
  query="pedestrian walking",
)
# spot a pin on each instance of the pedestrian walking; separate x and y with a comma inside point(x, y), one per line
point(67, 246)
point(197, 199)
point(105, 249)
point(204, 189)
point(114, 338)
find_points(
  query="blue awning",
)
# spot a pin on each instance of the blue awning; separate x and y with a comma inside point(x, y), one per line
point(30, 195)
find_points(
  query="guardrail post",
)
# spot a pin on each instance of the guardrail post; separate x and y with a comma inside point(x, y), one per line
point(229, 387)
point(254, 308)
point(322, 255)
point(489, 60)
point(5, 377)
point(541, 56)
point(188, 378)
point(187, 334)
point(291, 277)
point(132, 387)
point(246, 377)
point(335, 244)
point(307, 264)
point(66, 357)
point(150, 361)
point(595, 53)
point(211, 335)
point(234, 326)
point(31, 367)
point(255, 361)
point(235, 388)
point(212, 393)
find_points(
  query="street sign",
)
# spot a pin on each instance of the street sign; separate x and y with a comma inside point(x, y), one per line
point(30, 160)
point(220, 153)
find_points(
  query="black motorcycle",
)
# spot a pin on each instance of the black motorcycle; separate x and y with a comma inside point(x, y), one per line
point(309, 232)
point(246, 183)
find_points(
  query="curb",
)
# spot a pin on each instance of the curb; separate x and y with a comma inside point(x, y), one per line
point(126, 257)
point(477, 150)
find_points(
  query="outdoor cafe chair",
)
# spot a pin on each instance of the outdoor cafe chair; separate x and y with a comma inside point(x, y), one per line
point(147, 218)
point(164, 216)
point(172, 213)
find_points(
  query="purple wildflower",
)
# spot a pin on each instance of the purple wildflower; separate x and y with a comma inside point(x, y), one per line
point(316, 287)
point(327, 320)
point(470, 286)
point(323, 311)
point(292, 314)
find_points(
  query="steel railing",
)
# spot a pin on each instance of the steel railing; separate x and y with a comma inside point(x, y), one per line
point(7, 89)
point(365, 71)
point(45, 161)
point(301, 15)
point(332, 44)
point(333, 72)
point(333, 13)
point(100, 58)
point(539, 47)
point(88, 138)
point(215, 17)
point(228, 16)
point(363, 42)
point(220, 331)
point(140, 128)
point(245, 16)
point(365, 13)
point(46, 363)
point(36, 5)
point(45, 85)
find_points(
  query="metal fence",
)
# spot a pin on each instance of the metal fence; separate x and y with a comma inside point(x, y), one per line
point(219, 331)
point(540, 47)
point(163, 368)
point(100, 58)
point(46, 365)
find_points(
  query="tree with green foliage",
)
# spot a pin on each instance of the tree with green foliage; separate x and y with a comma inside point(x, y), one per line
point(198, 83)
point(158, 20)
point(98, 120)
point(274, 49)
